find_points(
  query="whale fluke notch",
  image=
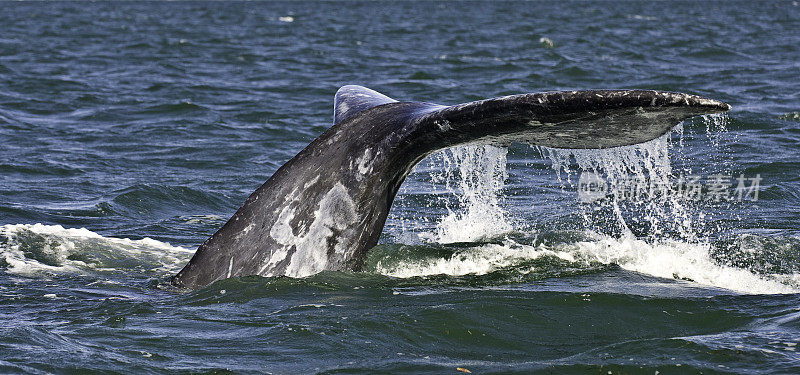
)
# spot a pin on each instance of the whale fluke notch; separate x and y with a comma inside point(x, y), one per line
point(326, 207)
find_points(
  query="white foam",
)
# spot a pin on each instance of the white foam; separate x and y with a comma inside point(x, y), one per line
point(671, 259)
point(478, 260)
point(680, 260)
point(61, 246)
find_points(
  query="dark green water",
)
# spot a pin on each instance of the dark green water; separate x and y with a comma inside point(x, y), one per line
point(130, 132)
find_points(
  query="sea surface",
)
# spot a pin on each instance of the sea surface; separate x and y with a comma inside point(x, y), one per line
point(130, 132)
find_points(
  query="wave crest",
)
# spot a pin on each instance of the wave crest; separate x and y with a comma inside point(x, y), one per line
point(37, 249)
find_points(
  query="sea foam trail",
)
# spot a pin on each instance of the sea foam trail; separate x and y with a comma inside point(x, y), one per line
point(33, 250)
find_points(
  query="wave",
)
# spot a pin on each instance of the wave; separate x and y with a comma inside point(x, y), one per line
point(477, 236)
point(692, 262)
point(45, 250)
point(37, 250)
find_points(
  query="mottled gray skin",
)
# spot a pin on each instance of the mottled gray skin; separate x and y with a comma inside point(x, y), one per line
point(326, 207)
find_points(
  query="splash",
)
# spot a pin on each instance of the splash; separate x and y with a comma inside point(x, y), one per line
point(643, 219)
point(641, 196)
point(630, 191)
point(716, 127)
point(475, 174)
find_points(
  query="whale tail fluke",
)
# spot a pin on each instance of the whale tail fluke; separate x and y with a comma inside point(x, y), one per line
point(326, 207)
point(559, 119)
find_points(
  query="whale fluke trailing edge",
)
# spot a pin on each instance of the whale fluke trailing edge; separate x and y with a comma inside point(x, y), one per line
point(326, 207)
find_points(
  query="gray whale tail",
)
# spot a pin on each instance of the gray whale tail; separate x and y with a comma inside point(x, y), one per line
point(326, 207)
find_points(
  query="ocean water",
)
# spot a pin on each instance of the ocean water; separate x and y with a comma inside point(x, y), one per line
point(130, 132)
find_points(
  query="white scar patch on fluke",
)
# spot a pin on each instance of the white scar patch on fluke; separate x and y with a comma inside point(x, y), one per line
point(335, 213)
